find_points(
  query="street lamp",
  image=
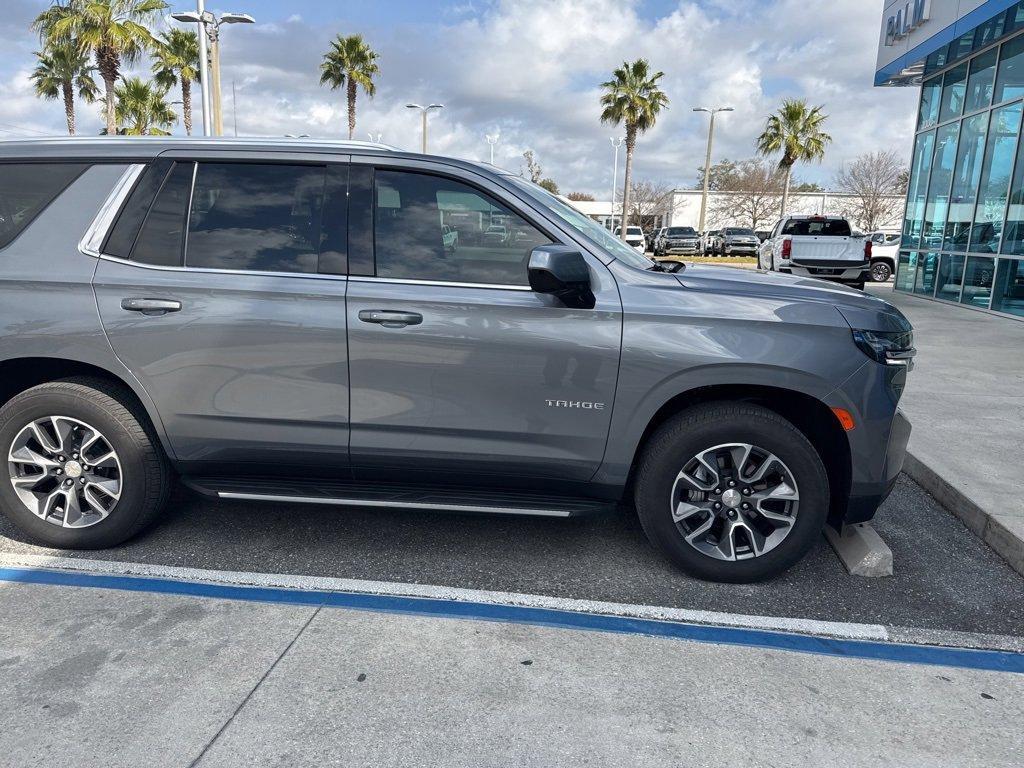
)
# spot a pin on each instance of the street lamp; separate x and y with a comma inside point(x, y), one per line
point(707, 163)
point(423, 113)
point(492, 139)
point(616, 142)
point(210, 31)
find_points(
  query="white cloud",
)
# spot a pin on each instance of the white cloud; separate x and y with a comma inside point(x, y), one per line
point(532, 69)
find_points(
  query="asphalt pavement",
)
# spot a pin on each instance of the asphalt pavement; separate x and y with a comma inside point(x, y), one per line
point(945, 578)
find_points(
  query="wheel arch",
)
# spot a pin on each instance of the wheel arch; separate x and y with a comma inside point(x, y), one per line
point(21, 373)
point(806, 412)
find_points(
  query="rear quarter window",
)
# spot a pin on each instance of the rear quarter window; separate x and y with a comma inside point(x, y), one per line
point(26, 189)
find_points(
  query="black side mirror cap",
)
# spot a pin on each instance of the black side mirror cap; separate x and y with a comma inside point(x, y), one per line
point(561, 271)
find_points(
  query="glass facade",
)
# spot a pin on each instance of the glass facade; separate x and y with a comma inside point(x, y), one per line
point(963, 234)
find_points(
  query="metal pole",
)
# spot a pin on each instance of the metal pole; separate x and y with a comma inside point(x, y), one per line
point(424, 113)
point(218, 112)
point(234, 107)
point(707, 177)
point(204, 73)
point(616, 142)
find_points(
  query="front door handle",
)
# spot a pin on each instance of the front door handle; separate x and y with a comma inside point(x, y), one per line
point(390, 319)
point(151, 306)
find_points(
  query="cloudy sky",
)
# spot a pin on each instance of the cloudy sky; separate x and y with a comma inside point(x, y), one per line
point(530, 70)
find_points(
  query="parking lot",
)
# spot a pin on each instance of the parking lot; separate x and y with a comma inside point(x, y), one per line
point(946, 579)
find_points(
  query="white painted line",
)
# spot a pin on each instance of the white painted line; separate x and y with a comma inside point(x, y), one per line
point(323, 584)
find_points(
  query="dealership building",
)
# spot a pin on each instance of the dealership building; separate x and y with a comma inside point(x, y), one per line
point(963, 234)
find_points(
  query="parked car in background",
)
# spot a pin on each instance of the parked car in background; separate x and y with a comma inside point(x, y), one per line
point(649, 237)
point(711, 240)
point(817, 246)
point(679, 241)
point(278, 322)
point(496, 234)
point(739, 241)
point(885, 249)
point(634, 238)
point(659, 234)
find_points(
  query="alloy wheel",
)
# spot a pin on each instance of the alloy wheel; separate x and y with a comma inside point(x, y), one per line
point(734, 501)
point(65, 471)
point(880, 272)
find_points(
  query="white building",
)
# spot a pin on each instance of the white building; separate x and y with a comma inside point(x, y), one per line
point(683, 209)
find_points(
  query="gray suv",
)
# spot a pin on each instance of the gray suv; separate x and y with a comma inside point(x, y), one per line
point(286, 321)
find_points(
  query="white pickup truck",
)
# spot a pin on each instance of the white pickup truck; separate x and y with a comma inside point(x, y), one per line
point(817, 246)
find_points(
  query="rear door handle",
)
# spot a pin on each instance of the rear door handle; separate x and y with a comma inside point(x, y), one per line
point(151, 306)
point(390, 319)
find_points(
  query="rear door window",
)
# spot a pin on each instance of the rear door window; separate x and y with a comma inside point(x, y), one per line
point(26, 189)
point(259, 217)
point(133, 213)
point(813, 227)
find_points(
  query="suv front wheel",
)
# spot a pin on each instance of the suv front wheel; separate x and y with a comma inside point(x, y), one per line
point(83, 470)
point(731, 492)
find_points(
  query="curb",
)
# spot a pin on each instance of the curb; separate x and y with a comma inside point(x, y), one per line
point(1003, 535)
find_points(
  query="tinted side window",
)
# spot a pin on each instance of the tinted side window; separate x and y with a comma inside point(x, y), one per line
point(162, 238)
point(27, 188)
point(129, 220)
point(261, 217)
point(432, 228)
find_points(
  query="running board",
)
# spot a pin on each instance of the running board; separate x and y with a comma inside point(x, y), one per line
point(404, 497)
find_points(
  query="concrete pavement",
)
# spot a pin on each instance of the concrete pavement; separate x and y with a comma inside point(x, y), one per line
point(965, 398)
point(95, 677)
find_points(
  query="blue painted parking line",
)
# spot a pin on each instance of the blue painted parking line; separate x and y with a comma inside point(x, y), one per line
point(966, 658)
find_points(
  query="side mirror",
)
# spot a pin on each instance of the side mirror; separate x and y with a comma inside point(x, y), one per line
point(561, 271)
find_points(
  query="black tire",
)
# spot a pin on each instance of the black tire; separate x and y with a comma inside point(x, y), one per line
point(147, 475)
point(702, 427)
point(880, 271)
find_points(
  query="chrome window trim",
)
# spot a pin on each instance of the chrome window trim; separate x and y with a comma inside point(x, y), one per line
point(440, 283)
point(97, 232)
point(211, 271)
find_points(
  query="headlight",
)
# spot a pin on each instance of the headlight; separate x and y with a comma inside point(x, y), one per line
point(887, 347)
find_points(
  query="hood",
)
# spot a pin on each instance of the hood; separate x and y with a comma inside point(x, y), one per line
point(859, 309)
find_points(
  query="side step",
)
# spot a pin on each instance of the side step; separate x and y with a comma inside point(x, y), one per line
point(347, 494)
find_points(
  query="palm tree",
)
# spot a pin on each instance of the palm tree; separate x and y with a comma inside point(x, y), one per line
point(176, 59)
point(350, 62)
point(141, 109)
point(60, 71)
point(795, 131)
point(632, 97)
point(113, 31)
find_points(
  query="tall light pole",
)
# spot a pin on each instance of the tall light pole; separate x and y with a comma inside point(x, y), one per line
point(492, 139)
point(707, 163)
point(209, 31)
point(616, 142)
point(423, 113)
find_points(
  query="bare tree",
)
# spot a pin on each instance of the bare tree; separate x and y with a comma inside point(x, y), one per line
point(647, 200)
point(750, 196)
point(877, 181)
point(533, 169)
point(581, 197)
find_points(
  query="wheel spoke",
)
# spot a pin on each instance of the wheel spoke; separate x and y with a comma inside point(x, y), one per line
point(62, 434)
point(726, 545)
point(26, 455)
point(72, 508)
point(769, 461)
point(685, 510)
point(44, 440)
point(700, 529)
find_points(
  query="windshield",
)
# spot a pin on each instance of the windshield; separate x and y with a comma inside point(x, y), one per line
point(682, 231)
point(825, 227)
point(739, 231)
point(583, 224)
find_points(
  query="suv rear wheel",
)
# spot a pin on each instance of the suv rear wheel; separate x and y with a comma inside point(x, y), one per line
point(83, 470)
point(731, 492)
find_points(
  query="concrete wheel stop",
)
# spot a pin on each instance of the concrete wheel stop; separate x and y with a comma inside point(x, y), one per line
point(861, 550)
